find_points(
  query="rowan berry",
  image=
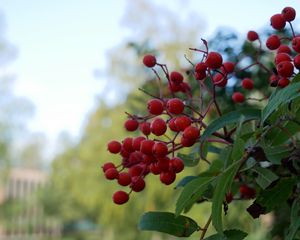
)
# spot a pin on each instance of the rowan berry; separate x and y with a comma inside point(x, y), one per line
point(131, 125)
point(175, 106)
point(127, 144)
point(297, 61)
point(145, 128)
point(124, 179)
point(238, 97)
point(120, 197)
point(107, 166)
point(191, 132)
point(155, 106)
point(283, 82)
point(280, 57)
point(158, 126)
point(111, 173)
point(228, 67)
point(160, 149)
point(296, 44)
point(214, 60)
point(288, 13)
point(149, 61)
point(114, 146)
point(248, 83)
point(167, 177)
point(252, 36)
point(187, 142)
point(138, 184)
point(220, 80)
point(277, 21)
point(163, 164)
point(176, 77)
point(176, 164)
point(136, 143)
point(284, 49)
point(146, 146)
point(182, 122)
point(201, 68)
point(285, 69)
point(273, 42)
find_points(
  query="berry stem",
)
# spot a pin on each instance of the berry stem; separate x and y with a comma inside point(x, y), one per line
point(204, 230)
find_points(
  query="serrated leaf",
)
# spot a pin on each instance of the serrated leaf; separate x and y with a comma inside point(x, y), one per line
point(230, 118)
point(232, 234)
point(190, 160)
point(192, 192)
point(279, 97)
point(272, 198)
point(223, 186)
point(185, 181)
point(180, 226)
point(265, 177)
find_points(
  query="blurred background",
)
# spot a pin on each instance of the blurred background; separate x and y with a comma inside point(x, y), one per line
point(68, 72)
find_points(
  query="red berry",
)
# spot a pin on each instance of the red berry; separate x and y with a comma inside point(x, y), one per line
point(285, 69)
point(108, 165)
point(200, 75)
point(182, 122)
point(297, 61)
point(154, 169)
point(214, 60)
point(187, 142)
point(131, 125)
point(229, 197)
point(175, 106)
point(138, 184)
point(136, 143)
point(176, 164)
point(296, 44)
point(163, 164)
point(167, 177)
point(172, 125)
point(283, 82)
point(278, 21)
point(174, 88)
point(248, 83)
point(120, 197)
point(176, 77)
point(149, 61)
point(273, 42)
point(191, 132)
point(252, 36)
point(288, 13)
point(155, 106)
point(247, 192)
point(273, 80)
point(284, 49)
point(220, 80)
point(136, 170)
point(201, 68)
point(158, 126)
point(238, 97)
point(280, 57)
point(127, 144)
point(160, 149)
point(145, 128)
point(124, 179)
point(228, 67)
point(114, 147)
point(111, 173)
point(185, 87)
point(146, 146)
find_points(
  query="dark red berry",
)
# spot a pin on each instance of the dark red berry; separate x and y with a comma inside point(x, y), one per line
point(201, 68)
point(285, 69)
point(284, 49)
point(111, 173)
point(158, 126)
point(163, 164)
point(167, 177)
point(175, 106)
point(174, 88)
point(238, 97)
point(145, 128)
point(136, 170)
point(155, 106)
point(288, 13)
point(176, 164)
point(149, 61)
point(124, 179)
point(187, 142)
point(107, 166)
point(127, 144)
point(220, 80)
point(228, 67)
point(248, 83)
point(154, 169)
point(283, 82)
point(160, 149)
point(296, 44)
point(146, 146)
point(131, 125)
point(247, 192)
point(278, 21)
point(172, 125)
point(273, 80)
point(120, 197)
point(136, 143)
point(273, 42)
point(176, 77)
point(297, 61)
point(182, 122)
point(214, 60)
point(185, 87)
point(280, 57)
point(191, 132)
point(138, 184)
point(229, 197)
point(252, 36)
point(114, 147)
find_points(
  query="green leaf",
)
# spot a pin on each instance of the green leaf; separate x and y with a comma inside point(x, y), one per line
point(229, 118)
point(280, 96)
point(185, 181)
point(166, 222)
point(190, 160)
point(265, 177)
point(275, 154)
point(295, 220)
point(192, 192)
point(272, 198)
point(223, 186)
point(232, 234)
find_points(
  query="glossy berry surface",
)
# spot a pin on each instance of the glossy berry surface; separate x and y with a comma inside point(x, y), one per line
point(214, 60)
point(149, 61)
point(278, 22)
point(252, 36)
point(248, 83)
point(155, 106)
point(238, 97)
point(120, 197)
point(175, 106)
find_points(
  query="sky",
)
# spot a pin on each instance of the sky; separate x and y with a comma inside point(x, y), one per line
point(61, 43)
